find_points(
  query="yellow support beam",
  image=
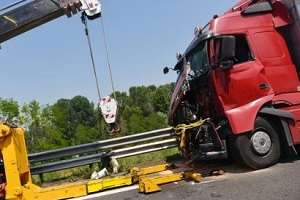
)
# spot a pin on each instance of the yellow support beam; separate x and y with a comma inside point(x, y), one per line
point(153, 169)
point(146, 183)
point(64, 191)
point(150, 184)
point(137, 172)
point(107, 183)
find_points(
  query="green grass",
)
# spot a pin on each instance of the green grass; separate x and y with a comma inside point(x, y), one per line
point(67, 175)
point(146, 159)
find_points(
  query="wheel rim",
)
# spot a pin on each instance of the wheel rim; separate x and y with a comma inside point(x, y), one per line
point(261, 142)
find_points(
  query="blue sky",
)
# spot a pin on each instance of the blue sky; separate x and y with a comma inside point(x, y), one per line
point(52, 61)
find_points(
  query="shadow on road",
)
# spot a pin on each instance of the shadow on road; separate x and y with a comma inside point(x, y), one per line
point(289, 159)
point(208, 168)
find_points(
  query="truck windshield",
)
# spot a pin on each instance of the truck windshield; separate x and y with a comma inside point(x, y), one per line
point(197, 60)
point(194, 64)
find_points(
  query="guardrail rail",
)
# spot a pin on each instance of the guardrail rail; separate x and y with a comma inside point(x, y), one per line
point(74, 156)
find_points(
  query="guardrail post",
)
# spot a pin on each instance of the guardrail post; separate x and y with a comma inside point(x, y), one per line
point(41, 176)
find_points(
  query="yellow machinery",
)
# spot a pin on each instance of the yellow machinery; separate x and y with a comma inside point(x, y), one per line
point(147, 178)
point(17, 172)
point(150, 183)
point(19, 184)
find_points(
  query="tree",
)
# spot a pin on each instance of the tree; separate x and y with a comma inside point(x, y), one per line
point(70, 114)
point(76, 121)
point(133, 117)
point(9, 108)
point(60, 111)
point(36, 120)
point(156, 121)
point(86, 134)
point(82, 111)
point(146, 108)
point(53, 140)
point(141, 97)
point(161, 100)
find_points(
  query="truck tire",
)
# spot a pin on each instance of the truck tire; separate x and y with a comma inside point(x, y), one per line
point(257, 149)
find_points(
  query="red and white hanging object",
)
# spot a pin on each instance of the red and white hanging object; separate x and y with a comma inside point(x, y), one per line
point(108, 108)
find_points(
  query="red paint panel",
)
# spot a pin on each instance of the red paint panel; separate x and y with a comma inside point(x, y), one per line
point(291, 98)
point(235, 23)
point(274, 55)
point(241, 119)
point(241, 85)
point(266, 40)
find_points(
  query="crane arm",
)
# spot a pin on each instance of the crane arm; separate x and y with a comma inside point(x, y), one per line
point(38, 12)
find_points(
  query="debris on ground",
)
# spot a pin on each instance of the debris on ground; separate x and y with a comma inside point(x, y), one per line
point(217, 172)
point(102, 173)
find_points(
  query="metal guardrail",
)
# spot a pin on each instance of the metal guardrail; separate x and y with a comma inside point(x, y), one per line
point(146, 148)
point(112, 147)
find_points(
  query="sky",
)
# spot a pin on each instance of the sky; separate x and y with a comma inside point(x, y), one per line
point(53, 61)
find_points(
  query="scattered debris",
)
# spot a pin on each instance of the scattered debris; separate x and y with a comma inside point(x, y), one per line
point(102, 173)
point(114, 164)
point(216, 172)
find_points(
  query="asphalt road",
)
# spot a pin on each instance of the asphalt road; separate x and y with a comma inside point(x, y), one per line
point(278, 182)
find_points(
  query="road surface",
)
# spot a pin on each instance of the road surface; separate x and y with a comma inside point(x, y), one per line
point(279, 182)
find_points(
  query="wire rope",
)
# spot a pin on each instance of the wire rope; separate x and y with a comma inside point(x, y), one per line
point(107, 56)
point(84, 21)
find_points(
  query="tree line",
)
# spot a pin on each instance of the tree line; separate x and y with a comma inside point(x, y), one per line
point(77, 121)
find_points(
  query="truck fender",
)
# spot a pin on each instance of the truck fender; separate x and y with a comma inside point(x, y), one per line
point(276, 112)
point(283, 116)
point(242, 118)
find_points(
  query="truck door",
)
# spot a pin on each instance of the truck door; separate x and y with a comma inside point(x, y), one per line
point(243, 82)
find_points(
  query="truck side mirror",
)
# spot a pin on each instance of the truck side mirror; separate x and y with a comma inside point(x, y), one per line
point(227, 48)
point(166, 70)
point(226, 52)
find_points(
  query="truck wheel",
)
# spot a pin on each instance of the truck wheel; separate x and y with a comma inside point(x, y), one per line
point(260, 148)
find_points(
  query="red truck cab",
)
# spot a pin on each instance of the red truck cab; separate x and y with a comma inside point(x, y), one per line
point(238, 89)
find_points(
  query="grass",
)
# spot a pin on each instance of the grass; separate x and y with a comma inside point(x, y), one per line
point(84, 172)
point(67, 175)
point(146, 159)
